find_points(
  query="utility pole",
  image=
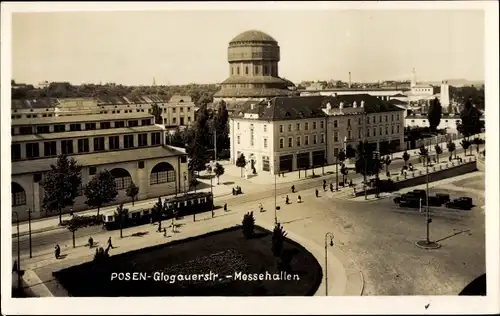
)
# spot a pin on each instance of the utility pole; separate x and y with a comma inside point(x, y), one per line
point(364, 156)
point(29, 229)
point(18, 254)
point(215, 145)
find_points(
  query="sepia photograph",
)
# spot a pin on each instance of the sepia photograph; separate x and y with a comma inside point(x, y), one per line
point(247, 157)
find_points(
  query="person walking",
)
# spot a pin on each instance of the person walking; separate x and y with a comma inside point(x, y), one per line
point(299, 199)
point(331, 187)
point(110, 244)
point(91, 242)
point(293, 189)
point(317, 193)
point(287, 200)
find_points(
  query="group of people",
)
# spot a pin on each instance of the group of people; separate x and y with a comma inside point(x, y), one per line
point(237, 190)
point(57, 250)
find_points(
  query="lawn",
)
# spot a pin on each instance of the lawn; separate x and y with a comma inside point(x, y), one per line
point(224, 252)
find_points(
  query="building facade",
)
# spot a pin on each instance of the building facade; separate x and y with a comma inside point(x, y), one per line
point(291, 133)
point(253, 58)
point(129, 145)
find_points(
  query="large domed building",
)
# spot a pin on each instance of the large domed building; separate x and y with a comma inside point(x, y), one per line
point(253, 58)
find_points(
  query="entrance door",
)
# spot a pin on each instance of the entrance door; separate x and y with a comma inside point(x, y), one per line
point(318, 158)
point(286, 163)
point(303, 161)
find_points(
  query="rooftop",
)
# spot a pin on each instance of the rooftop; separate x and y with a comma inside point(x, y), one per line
point(303, 107)
point(256, 79)
point(367, 90)
point(87, 133)
point(34, 104)
point(95, 159)
point(80, 118)
point(253, 36)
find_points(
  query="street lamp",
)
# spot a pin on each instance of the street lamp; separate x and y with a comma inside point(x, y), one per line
point(18, 254)
point(328, 234)
point(275, 206)
point(29, 230)
point(337, 173)
point(185, 179)
point(211, 187)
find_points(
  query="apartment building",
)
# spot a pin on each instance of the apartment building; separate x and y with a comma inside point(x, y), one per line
point(129, 145)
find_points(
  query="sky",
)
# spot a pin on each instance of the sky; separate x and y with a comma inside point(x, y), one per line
point(180, 47)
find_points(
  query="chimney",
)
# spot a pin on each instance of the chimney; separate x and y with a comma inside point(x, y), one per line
point(349, 80)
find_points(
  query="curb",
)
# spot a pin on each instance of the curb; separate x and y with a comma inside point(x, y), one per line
point(37, 231)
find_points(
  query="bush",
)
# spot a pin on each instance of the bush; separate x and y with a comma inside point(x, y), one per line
point(248, 225)
point(83, 221)
point(279, 235)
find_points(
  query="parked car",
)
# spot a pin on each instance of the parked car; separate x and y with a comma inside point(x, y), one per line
point(443, 197)
point(462, 203)
point(412, 202)
point(417, 194)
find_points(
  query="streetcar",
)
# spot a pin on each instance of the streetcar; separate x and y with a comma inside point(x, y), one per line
point(178, 206)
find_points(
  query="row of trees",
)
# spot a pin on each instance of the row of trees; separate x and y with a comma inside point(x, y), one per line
point(62, 184)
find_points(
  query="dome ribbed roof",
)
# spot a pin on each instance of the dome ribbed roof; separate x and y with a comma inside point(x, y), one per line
point(253, 36)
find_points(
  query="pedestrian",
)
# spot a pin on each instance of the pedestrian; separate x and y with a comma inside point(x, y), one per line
point(109, 243)
point(299, 199)
point(151, 220)
point(14, 268)
point(234, 191)
point(164, 232)
point(324, 186)
point(317, 193)
point(287, 200)
point(331, 187)
point(293, 189)
point(225, 206)
point(91, 242)
point(58, 251)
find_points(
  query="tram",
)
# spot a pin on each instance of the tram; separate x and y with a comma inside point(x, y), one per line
point(179, 206)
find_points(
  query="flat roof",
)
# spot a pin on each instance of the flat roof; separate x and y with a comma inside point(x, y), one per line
point(89, 133)
point(80, 118)
point(95, 159)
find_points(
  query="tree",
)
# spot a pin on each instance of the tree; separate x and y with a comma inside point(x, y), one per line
point(121, 215)
point(157, 212)
point(132, 191)
point(434, 115)
point(176, 138)
point(438, 150)
point(451, 148)
point(100, 190)
point(477, 141)
point(73, 225)
point(194, 183)
point(221, 127)
point(423, 154)
point(156, 111)
point(241, 163)
point(344, 171)
point(350, 152)
point(465, 145)
point(406, 157)
point(387, 161)
point(248, 225)
point(219, 171)
point(470, 120)
point(61, 185)
point(341, 156)
point(278, 239)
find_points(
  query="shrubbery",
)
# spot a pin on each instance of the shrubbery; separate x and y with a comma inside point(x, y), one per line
point(84, 221)
point(248, 225)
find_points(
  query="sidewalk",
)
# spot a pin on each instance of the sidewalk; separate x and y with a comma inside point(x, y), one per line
point(348, 278)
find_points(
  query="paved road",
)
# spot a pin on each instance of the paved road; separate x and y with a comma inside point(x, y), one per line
point(46, 240)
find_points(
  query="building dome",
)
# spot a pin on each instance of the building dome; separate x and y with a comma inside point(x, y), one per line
point(253, 36)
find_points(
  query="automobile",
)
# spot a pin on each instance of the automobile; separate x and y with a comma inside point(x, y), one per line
point(443, 197)
point(417, 194)
point(462, 203)
point(412, 202)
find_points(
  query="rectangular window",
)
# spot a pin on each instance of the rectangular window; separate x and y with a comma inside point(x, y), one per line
point(374, 120)
point(315, 139)
point(298, 126)
point(238, 139)
point(392, 117)
point(99, 144)
point(290, 142)
point(67, 147)
point(265, 128)
point(367, 132)
point(289, 127)
point(114, 142)
point(386, 118)
point(75, 127)
point(335, 124)
point(282, 141)
point(49, 149)
point(128, 141)
point(133, 123)
point(143, 140)
point(306, 140)
point(119, 124)
point(314, 125)
point(380, 119)
point(380, 131)
point(237, 125)
point(306, 126)
point(83, 145)
point(90, 126)
point(392, 129)
point(15, 152)
point(397, 129)
point(298, 141)
point(397, 117)
point(265, 142)
point(359, 133)
point(359, 121)
point(367, 120)
point(174, 120)
point(25, 130)
point(335, 137)
point(252, 136)
point(374, 132)
point(322, 124)
point(349, 122)
point(348, 134)
point(43, 129)
point(173, 110)
point(155, 139)
point(105, 125)
point(281, 128)
point(322, 138)
point(146, 122)
point(181, 109)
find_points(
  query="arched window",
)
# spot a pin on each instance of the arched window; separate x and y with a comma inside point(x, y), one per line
point(18, 195)
point(162, 173)
point(246, 70)
point(122, 178)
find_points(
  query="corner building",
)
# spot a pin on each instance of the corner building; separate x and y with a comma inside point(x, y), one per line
point(290, 133)
point(129, 145)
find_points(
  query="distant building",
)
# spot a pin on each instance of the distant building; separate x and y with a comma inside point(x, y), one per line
point(290, 133)
point(127, 144)
point(253, 58)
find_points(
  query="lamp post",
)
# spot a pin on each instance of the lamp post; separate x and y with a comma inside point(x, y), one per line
point(364, 155)
point(185, 179)
point(18, 254)
point(275, 206)
point(337, 173)
point(210, 168)
point(328, 234)
point(29, 230)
